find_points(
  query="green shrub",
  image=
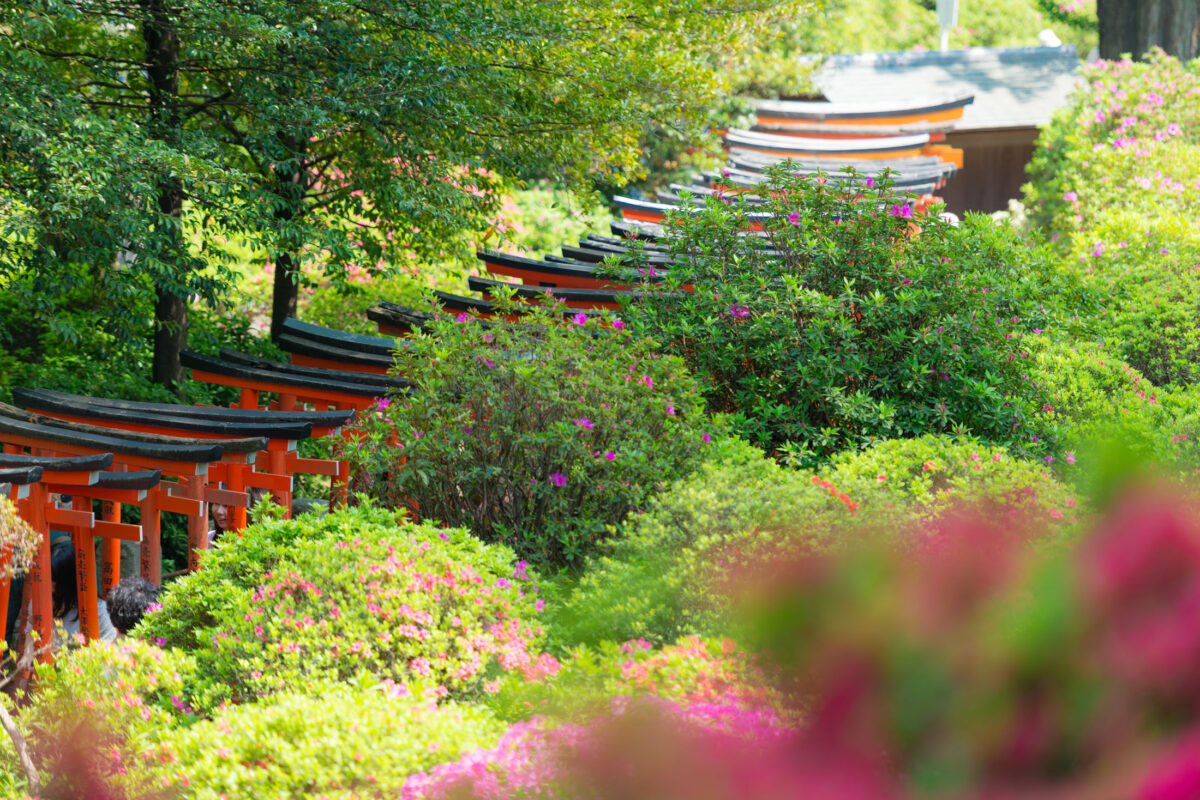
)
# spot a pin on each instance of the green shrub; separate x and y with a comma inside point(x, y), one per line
point(539, 435)
point(663, 579)
point(692, 670)
point(842, 326)
point(345, 743)
point(926, 477)
point(654, 582)
point(304, 603)
point(1113, 183)
point(113, 700)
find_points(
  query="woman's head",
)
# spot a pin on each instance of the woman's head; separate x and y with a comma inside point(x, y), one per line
point(220, 516)
point(65, 593)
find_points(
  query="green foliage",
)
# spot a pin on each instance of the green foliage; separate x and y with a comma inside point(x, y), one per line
point(110, 701)
point(347, 742)
point(540, 218)
point(842, 325)
point(926, 477)
point(1096, 397)
point(334, 136)
point(536, 434)
point(693, 670)
point(305, 603)
point(1113, 184)
point(655, 581)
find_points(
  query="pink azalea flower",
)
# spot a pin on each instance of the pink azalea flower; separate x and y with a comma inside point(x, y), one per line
point(618, 324)
point(558, 479)
point(610, 455)
point(580, 318)
point(584, 423)
point(794, 219)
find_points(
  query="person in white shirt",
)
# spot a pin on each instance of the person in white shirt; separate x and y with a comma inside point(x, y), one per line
point(66, 597)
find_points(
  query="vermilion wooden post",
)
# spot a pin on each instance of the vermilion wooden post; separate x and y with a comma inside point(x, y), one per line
point(151, 550)
point(237, 483)
point(110, 549)
point(41, 620)
point(197, 524)
point(85, 573)
point(339, 492)
point(5, 580)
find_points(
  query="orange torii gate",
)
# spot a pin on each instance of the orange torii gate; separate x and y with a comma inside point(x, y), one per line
point(187, 460)
point(342, 391)
point(83, 478)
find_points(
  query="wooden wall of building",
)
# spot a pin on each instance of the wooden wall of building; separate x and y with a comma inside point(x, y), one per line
point(993, 168)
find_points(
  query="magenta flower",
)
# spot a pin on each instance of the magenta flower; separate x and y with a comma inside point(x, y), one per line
point(558, 479)
point(1174, 129)
point(463, 317)
point(904, 212)
point(706, 438)
point(670, 410)
point(646, 379)
point(584, 423)
point(870, 182)
point(618, 324)
point(610, 455)
point(580, 318)
point(1071, 197)
point(1070, 458)
point(382, 403)
point(794, 218)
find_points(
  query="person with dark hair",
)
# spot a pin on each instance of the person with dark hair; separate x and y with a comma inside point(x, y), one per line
point(65, 595)
point(128, 601)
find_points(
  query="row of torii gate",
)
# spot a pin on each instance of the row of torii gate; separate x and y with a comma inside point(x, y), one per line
point(177, 459)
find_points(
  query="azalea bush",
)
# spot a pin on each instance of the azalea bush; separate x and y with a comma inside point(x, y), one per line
point(347, 742)
point(1114, 183)
point(302, 604)
point(93, 716)
point(657, 582)
point(538, 434)
point(975, 666)
point(849, 320)
point(693, 670)
point(929, 477)
point(646, 747)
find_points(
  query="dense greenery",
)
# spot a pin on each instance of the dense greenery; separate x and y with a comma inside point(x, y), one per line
point(894, 566)
point(138, 137)
point(539, 434)
point(306, 603)
point(849, 321)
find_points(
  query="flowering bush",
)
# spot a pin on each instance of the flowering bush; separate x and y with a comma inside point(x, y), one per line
point(933, 475)
point(981, 669)
point(646, 747)
point(1114, 182)
point(973, 667)
point(694, 671)
point(95, 711)
point(539, 435)
point(843, 325)
point(348, 742)
point(657, 581)
point(308, 602)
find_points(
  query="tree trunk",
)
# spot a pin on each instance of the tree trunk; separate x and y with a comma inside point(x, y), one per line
point(1136, 26)
point(170, 337)
point(162, 69)
point(289, 185)
point(286, 296)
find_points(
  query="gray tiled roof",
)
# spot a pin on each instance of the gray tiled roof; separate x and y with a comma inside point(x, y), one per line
point(1013, 86)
